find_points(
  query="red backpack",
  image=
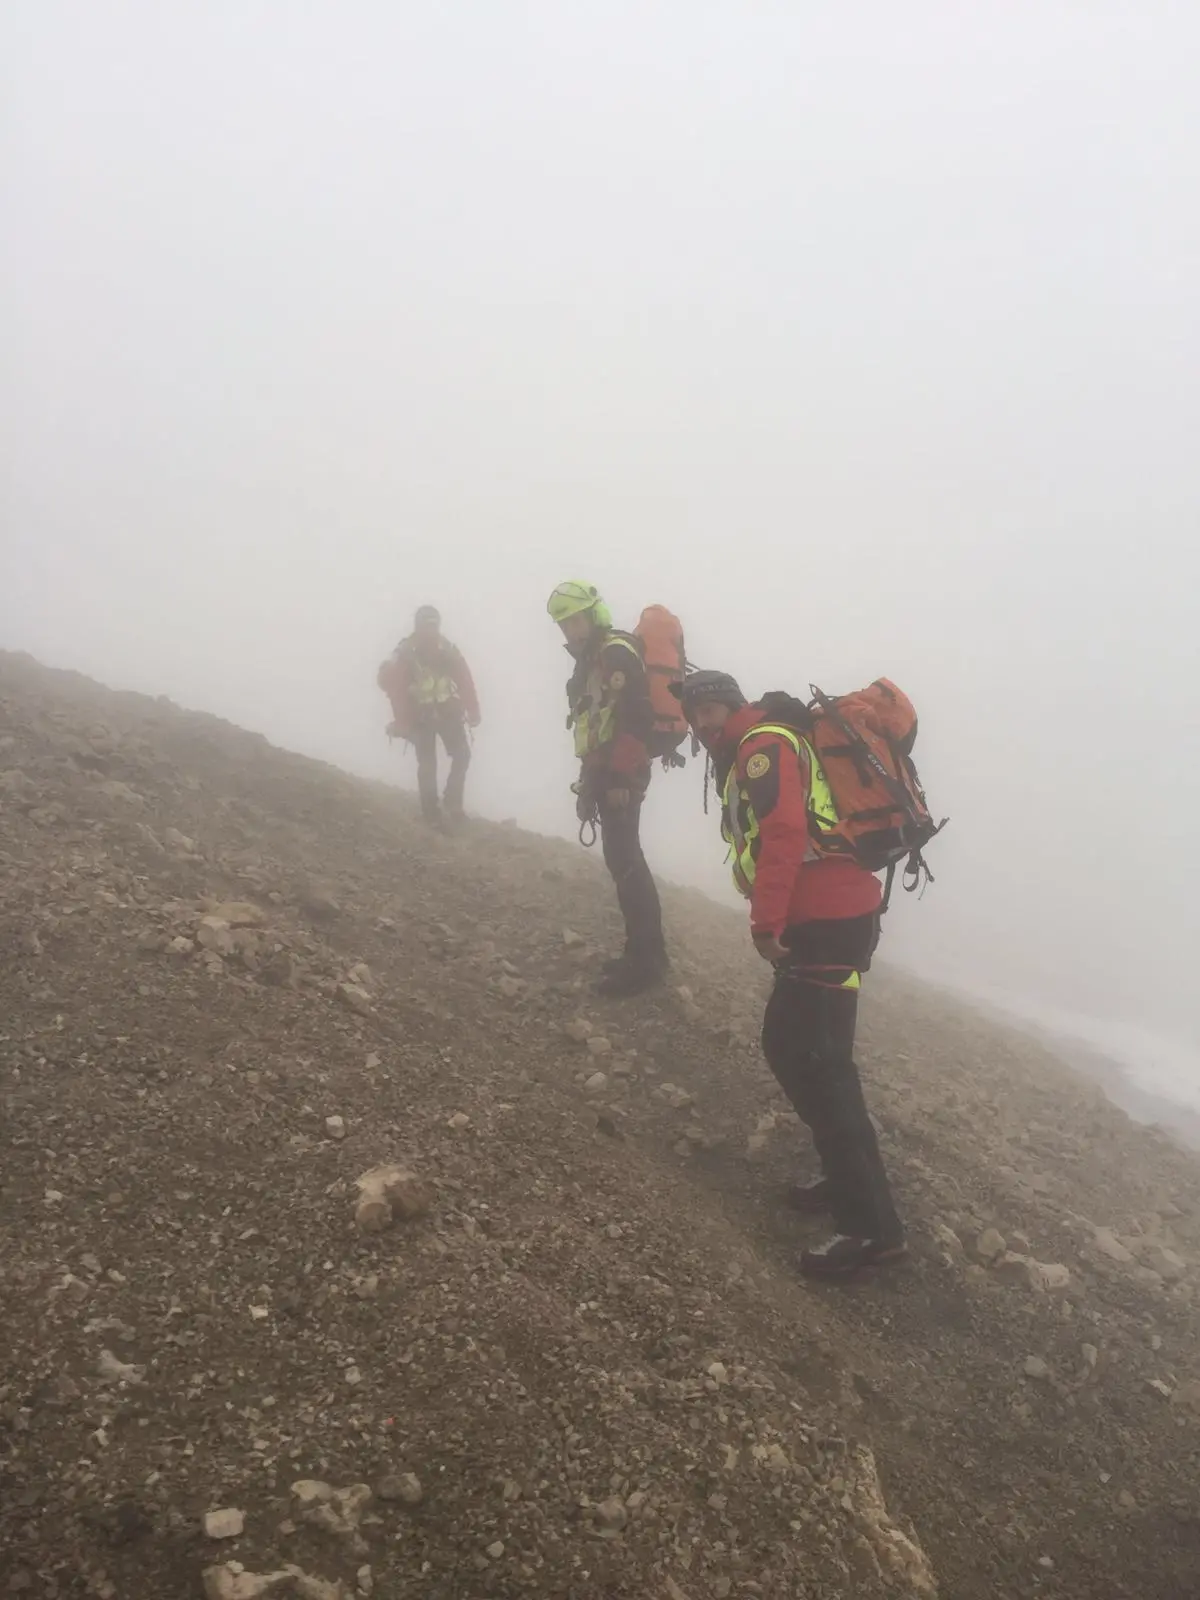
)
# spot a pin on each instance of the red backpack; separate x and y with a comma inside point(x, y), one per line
point(864, 742)
point(660, 637)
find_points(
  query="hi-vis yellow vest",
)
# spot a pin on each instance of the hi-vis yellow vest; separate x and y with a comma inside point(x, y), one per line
point(427, 686)
point(739, 825)
point(592, 715)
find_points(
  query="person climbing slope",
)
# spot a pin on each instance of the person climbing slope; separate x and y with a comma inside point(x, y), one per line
point(433, 697)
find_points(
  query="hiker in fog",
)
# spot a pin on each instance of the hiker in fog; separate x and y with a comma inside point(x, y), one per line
point(613, 721)
point(815, 917)
point(433, 697)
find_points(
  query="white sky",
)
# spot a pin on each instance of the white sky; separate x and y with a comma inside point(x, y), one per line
point(866, 337)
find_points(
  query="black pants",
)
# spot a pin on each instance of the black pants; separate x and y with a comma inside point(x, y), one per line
point(808, 1040)
point(637, 896)
point(443, 722)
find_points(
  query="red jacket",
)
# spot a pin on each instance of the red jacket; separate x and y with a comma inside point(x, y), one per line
point(401, 674)
point(791, 886)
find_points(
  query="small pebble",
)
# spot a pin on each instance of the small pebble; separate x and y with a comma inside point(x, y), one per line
point(403, 1487)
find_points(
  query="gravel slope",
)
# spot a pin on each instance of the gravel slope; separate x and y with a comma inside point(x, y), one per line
point(237, 980)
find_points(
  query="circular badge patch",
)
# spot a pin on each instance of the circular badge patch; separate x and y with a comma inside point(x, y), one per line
point(617, 681)
point(758, 765)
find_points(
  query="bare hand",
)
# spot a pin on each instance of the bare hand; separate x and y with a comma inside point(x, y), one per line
point(769, 948)
point(617, 799)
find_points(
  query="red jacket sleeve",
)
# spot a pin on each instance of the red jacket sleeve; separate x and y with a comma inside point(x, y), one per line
point(465, 684)
point(776, 784)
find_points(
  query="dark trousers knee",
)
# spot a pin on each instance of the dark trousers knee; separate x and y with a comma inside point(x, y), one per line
point(637, 893)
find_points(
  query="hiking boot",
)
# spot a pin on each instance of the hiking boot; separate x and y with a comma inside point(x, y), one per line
point(615, 963)
point(811, 1199)
point(844, 1257)
point(631, 975)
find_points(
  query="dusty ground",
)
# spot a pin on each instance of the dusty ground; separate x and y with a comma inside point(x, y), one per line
point(590, 1369)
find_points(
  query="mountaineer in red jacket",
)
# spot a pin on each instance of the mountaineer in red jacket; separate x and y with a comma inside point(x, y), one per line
point(815, 918)
point(433, 697)
point(613, 721)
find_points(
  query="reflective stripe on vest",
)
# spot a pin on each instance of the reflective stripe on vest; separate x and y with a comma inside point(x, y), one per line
point(739, 824)
point(594, 728)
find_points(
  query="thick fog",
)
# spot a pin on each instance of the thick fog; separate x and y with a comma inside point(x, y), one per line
point(864, 337)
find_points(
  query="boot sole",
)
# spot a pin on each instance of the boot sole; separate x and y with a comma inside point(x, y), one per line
point(828, 1274)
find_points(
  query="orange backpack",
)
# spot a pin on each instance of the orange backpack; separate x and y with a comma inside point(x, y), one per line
point(864, 742)
point(660, 636)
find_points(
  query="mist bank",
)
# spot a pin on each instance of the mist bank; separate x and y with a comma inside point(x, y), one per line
point(1155, 1079)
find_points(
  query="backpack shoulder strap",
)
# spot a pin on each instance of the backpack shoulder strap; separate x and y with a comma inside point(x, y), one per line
point(629, 640)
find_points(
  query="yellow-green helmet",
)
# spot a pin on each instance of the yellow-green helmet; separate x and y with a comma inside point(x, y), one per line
point(574, 596)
